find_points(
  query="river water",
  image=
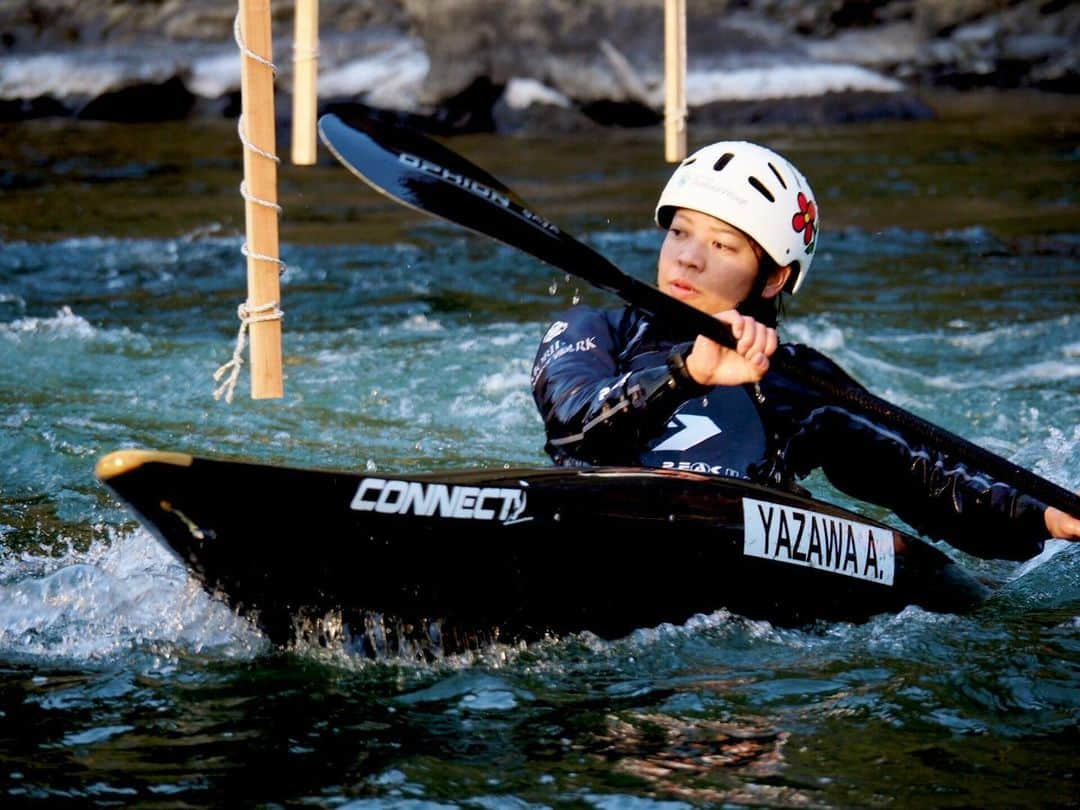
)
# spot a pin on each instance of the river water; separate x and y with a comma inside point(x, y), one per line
point(948, 281)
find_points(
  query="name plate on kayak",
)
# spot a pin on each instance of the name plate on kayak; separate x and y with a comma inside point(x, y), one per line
point(796, 536)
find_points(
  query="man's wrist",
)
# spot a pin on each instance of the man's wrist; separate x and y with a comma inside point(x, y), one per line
point(680, 373)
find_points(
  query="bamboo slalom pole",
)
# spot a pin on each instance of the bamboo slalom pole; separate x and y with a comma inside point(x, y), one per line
point(305, 81)
point(260, 198)
point(674, 80)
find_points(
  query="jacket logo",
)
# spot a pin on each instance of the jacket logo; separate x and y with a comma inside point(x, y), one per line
point(695, 430)
point(559, 349)
point(555, 330)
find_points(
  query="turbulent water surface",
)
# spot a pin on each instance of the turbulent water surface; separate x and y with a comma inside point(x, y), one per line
point(948, 281)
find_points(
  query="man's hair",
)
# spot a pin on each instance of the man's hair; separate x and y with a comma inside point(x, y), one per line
point(763, 310)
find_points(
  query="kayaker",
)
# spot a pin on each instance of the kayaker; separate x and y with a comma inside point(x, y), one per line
point(616, 388)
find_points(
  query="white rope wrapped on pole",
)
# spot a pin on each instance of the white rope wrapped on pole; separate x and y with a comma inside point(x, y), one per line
point(674, 80)
point(259, 314)
point(305, 81)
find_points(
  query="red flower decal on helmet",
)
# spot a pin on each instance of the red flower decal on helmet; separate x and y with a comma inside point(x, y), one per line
point(805, 220)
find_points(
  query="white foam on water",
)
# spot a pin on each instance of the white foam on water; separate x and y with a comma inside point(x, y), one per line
point(124, 594)
point(66, 325)
point(824, 337)
point(1049, 581)
point(1050, 550)
point(421, 323)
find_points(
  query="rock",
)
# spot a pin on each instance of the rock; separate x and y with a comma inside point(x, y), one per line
point(26, 109)
point(450, 63)
point(528, 105)
point(166, 101)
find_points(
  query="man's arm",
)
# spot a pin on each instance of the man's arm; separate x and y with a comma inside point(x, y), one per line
point(594, 410)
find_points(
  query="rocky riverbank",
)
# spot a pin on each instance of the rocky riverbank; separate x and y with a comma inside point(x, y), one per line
point(540, 65)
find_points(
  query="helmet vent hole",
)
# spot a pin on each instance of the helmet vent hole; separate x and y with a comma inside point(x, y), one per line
point(764, 192)
point(778, 177)
point(723, 161)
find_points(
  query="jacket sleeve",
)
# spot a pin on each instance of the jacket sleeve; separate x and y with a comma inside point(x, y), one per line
point(595, 412)
point(935, 494)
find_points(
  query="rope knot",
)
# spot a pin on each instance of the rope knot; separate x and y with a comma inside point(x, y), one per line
point(248, 314)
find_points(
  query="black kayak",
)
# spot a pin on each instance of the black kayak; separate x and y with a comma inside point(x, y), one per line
point(443, 562)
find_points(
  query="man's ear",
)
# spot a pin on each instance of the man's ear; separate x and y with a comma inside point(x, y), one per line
point(777, 279)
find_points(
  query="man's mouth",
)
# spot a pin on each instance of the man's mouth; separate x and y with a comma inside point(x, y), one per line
point(679, 289)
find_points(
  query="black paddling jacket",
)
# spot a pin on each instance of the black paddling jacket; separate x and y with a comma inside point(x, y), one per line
point(613, 389)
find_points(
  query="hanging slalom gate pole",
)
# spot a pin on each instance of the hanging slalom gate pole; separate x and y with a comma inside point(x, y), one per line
point(305, 81)
point(674, 80)
point(259, 312)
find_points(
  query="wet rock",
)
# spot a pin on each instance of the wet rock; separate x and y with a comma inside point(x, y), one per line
point(165, 101)
point(26, 109)
point(451, 63)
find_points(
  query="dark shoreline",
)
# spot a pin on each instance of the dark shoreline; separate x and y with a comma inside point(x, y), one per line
point(61, 178)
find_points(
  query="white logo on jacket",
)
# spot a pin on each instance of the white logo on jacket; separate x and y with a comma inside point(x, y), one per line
point(555, 330)
point(559, 349)
point(695, 430)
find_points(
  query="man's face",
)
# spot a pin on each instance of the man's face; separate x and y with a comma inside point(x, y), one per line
point(706, 263)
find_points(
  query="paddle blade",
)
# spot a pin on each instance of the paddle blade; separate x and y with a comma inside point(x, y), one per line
point(419, 172)
point(413, 169)
point(367, 141)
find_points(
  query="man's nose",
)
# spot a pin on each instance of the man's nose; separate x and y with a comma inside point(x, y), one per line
point(692, 254)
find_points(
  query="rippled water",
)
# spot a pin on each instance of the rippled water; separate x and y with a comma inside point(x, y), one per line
point(948, 281)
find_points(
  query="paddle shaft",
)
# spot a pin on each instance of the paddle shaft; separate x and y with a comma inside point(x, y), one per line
point(429, 177)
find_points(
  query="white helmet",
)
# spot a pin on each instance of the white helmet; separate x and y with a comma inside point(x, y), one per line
point(757, 191)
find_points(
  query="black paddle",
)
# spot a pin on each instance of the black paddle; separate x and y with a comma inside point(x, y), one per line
point(425, 175)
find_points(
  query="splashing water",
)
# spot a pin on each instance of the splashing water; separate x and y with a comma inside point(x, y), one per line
point(408, 347)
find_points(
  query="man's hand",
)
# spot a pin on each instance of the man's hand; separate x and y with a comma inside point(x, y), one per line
point(1060, 524)
point(709, 363)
